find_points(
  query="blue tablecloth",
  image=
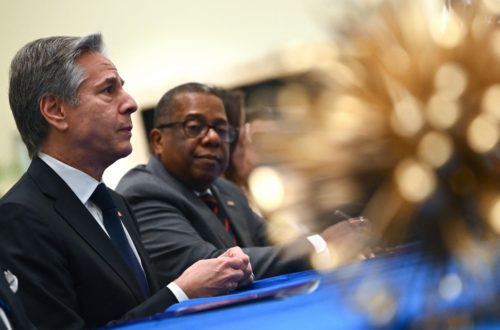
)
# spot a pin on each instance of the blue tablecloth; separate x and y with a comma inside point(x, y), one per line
point(404, 290)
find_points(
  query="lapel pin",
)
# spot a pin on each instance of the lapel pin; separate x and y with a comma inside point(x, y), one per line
point(119, 214)
point(230, 203)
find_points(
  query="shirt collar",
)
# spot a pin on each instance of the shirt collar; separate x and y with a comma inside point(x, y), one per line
point(208, 191)
point(82, 184)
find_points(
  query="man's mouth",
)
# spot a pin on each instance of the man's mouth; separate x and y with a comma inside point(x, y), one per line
point(210, 157)
point(127, 128)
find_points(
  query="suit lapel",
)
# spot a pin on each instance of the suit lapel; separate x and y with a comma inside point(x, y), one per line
point(233, 213)
point(134, 235)
point(156, 168)
point(81, 220)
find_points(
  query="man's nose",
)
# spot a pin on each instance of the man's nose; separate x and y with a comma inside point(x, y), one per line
point(128, 104)
point(212, 137)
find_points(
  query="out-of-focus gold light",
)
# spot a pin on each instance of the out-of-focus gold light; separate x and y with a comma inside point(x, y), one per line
point(298, 57)
point(346, 117)
point(415, 181)
point(447, 31)
point(495, 42)
point(450, 80)
point(396, 59)
point(373, 298)
point(492, 5)
point(267, 188)
point(284, 226)
point(479, 27)
point(295, 98)
point(342, 74)
point(407, 118)
point(491, 100)
point(450, 287)
point(435, 148)
point(483, 134)
point(441, 112)
point(494, 216)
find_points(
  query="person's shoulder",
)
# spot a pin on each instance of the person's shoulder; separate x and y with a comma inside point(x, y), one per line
point(23, 190)
point(142, 184)
point(133, 177)
point(227, 186)
point(25, 205)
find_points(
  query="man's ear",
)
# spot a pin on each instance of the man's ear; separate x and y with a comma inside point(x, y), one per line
point(54, 111)
point(157, 140)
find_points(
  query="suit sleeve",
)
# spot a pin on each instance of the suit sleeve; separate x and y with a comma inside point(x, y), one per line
point(32, 249)
point(171, 241)
point(176, 236)
point(272, 260)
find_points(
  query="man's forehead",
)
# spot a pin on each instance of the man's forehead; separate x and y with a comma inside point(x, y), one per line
point(94, 61)
point(98, 67)
point(194, 101)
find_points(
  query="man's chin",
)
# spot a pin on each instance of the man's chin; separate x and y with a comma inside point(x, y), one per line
point(119, 154)
point(203, 181)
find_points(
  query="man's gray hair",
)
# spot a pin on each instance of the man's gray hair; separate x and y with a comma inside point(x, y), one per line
point(46, 66)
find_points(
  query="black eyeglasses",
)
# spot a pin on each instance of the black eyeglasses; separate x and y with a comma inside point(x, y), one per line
point(194, 128)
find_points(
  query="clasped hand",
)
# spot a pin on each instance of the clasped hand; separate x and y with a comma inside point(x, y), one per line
point(215, 277)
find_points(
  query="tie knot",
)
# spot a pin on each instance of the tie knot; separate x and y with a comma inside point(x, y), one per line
point(208, 198)
point(102, 198)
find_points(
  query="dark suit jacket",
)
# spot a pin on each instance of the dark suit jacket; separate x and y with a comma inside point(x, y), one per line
point(16, 314)
point(71, 275)
point(178, 229)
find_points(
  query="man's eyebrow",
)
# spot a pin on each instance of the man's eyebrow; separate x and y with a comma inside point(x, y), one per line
point(113, 80)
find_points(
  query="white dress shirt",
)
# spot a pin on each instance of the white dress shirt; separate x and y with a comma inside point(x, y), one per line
point(13, 284)
point(4, 319)
point(83, 185)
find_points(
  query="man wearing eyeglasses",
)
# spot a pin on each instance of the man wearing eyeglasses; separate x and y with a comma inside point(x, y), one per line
point(186, 212)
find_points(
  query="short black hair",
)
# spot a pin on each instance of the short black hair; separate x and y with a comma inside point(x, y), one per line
point(164, 109)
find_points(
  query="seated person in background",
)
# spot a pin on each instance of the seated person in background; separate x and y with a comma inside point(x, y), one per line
point(73, 243)
point(187, 213)
point(236, 170)
point(243, 156)
point(12, 314)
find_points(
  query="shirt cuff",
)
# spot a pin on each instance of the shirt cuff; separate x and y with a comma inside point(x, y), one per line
point(320, 260)
point(177, 291)
point(318, 242)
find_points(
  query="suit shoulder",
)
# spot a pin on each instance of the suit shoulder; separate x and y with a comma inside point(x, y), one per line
point(224, 184)
point(228, 188)
point(134, 176)
point(23, 190)
point(140, 184)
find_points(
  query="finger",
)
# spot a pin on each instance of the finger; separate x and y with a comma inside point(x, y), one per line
point(232, 262)
point(247, 281)
point(248, 277)
point(237, 252)
point(249, 268)
point(238, 276)
point(359, 221)
point(227, 288)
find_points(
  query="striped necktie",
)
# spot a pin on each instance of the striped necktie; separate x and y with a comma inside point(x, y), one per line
point(218, 211)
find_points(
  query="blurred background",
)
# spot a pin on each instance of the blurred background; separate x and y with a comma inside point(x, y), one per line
point(157, 45)
point(388, 109)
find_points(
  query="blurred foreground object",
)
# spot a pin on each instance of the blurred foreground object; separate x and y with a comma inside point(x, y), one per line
point(408, 127)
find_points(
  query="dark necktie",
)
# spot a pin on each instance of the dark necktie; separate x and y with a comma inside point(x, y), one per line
point(218, 211)
point(114, 227)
